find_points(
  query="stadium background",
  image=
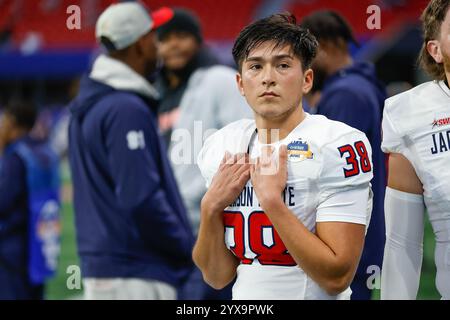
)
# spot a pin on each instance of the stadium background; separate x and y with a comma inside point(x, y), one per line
point(42, 59)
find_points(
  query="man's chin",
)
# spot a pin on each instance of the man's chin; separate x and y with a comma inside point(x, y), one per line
point(272, 114)
point(177, 65)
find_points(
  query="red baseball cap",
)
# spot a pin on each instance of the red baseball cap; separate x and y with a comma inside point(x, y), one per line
point(161, 16)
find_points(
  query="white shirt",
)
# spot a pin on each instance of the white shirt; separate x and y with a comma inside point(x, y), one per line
point(316, 191)
point(416, 124)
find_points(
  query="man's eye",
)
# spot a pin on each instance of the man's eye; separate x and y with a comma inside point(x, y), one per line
point(255, 67)
point(284, 66)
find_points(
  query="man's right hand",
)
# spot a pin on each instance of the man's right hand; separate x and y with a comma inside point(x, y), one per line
point(228, 182)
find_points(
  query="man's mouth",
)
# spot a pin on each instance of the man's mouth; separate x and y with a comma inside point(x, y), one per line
point(269, 94)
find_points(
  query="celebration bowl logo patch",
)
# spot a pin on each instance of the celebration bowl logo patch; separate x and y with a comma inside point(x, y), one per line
point(298, 151)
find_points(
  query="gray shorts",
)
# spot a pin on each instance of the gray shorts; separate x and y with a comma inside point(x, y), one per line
point(127, 289)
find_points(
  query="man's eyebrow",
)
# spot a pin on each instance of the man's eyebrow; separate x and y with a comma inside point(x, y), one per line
point(277, 57)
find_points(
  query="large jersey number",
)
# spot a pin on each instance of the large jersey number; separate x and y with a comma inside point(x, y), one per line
point(263, 239)
point(356, 166)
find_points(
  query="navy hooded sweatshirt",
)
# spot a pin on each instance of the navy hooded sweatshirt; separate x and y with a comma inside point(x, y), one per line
point(15, 221)
point(356, 97)
point(130, 220)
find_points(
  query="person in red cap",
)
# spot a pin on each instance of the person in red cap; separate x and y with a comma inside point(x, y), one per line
point(134, 238)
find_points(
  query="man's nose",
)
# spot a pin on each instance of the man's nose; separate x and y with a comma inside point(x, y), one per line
point(268, 77)
point(170, 41)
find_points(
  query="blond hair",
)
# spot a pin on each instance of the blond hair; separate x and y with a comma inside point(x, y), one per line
point(432, 18)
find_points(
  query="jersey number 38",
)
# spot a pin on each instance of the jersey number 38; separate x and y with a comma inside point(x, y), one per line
point(263, 241)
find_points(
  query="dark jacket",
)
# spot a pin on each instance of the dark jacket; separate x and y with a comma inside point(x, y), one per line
point(130, 220)
point(356, 97)
point(14, 222)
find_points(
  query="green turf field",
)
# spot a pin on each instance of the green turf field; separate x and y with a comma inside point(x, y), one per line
point(57, 288)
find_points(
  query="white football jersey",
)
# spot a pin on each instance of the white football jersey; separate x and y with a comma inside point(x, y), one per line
point(329, 173)
point(416, 124)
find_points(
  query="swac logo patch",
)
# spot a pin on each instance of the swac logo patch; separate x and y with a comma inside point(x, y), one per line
point(440, 122)
point(299, 150)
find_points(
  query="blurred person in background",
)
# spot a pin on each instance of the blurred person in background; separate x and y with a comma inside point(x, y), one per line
point(350, 92)
point(416, 135)
point(29, 206)
point(197, 95)
point(133, 234)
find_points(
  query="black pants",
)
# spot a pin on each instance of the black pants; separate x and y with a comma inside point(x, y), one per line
point(16, 286)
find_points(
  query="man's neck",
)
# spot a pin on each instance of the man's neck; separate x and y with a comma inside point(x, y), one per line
point(133, 63)
point(15, 135)
point(173, 80)
point(342, 62)
point(273, 130)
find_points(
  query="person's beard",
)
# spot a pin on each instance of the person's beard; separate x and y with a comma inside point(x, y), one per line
point(446, 59)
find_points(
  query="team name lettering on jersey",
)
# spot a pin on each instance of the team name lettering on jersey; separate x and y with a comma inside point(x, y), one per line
point(441, 142)
point(247, 197)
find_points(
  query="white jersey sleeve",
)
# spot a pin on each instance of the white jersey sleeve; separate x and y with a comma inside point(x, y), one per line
point(208, 166)
point(392, 139)
point(344, 180)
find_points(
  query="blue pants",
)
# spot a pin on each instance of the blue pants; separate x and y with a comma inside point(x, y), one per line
point(197, 289)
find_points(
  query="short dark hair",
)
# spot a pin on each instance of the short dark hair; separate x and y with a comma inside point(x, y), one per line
point(432, 18)
point(183, 20)
point(283, 30)
point(329, 26)
point(24, 113)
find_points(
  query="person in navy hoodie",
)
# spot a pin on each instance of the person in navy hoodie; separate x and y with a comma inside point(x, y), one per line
point(29, 206)
point(133, 235)
point(351, 93)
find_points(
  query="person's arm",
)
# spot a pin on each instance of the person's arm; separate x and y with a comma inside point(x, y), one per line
point(210, 254)
point(133, 152)
point(331, 255)
point(404, 212)
point(12, 182)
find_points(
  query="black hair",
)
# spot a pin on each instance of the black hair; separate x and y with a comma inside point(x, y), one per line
point(183, 20)
point(23, 112)
point(281, 29)
point(328, 25)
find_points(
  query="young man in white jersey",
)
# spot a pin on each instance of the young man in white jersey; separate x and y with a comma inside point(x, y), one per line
point(416, 134)
point(288, 191)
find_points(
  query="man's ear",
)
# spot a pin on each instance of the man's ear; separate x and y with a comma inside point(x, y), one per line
point(308, 79)
point(239, 83)
point(143, 44)
point(434, 49)
point(7, 127)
